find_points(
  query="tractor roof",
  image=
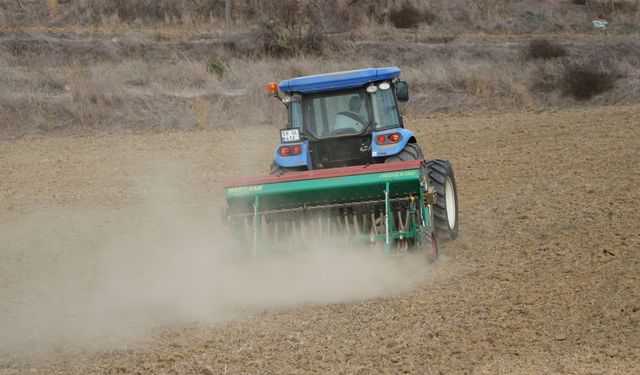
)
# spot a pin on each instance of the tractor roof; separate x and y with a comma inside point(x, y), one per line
point(338, 81)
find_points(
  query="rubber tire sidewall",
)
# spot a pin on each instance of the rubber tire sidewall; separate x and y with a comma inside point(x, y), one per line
point(277, 170)
point(438, 172)
point(411, 151)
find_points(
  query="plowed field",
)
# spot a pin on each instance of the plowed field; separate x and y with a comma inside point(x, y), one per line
point(105, 264)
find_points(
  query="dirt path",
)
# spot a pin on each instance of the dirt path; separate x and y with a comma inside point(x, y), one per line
point(544, 279)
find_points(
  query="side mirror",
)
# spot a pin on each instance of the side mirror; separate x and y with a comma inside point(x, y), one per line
point(402, 91)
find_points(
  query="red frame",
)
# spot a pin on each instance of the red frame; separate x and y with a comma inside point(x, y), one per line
point(325, 173)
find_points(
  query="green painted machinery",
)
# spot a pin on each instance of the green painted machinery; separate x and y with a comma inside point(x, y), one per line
point(386, 206)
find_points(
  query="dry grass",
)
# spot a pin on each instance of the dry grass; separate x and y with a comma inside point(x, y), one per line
point(157, 89)
point(407, 16)
point(584, 81)
point(77, 67)
point(138, 93)
point(544, 49)
point(335, 15)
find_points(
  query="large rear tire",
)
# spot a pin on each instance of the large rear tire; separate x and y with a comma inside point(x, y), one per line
point(278, 170)
point(410, 152)
point(445, 210)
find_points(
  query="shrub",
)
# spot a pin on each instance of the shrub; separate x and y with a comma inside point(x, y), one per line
point(543, 80)
point(131, 10)
point(544, 49)
point(216, 67)
point(292, 31)
point(584, 82)
point(428, 16)
point(336, 17)
point(279, 42)
point(409, 17)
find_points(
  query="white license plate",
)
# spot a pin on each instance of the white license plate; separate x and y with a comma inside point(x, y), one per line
point(290, 135)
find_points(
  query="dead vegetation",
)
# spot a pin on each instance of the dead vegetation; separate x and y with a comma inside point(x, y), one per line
point(584, 82)
point(336, 15)
point(110, 66)
point(545, 49)
point(407, 16)
point(140, 85)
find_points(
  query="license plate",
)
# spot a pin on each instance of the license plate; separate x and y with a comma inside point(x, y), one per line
point(290, 135)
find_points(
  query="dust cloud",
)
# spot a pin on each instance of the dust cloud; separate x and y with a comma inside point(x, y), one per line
point(77, 280)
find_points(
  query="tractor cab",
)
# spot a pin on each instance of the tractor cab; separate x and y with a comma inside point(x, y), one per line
point(341, 119)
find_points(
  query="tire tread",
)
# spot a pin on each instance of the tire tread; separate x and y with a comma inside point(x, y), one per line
point(438, 170)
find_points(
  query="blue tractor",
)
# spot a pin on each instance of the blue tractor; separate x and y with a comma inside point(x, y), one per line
point(351, 118)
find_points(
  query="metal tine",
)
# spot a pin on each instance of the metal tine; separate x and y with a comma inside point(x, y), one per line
point(364, 221)
point(286, 230)
point(356, 226)
point(400, 223)
point(298, 223)
point(374, 227)
point(313, 229)
point(264, 229)
point(346, 222)
point(305, 226)
point(301, 231)
point(364, 217)
point(276, 223)
point(380, 219)
point(295, 229)
point(247, 229)
point(402, 246)
point(267, 227)
point(406, 221)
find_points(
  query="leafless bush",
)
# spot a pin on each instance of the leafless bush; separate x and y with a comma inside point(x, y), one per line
point(408, 16)
point(179, 90)
point(283, 32)
point(545, 49)
point(545, 77)
point(277, 41)
point(336, 16)
point(131, 10)
point(611, 6)
point(584, 81)
point(17, 48)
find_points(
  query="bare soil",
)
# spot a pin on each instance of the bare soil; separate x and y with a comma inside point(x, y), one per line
point(543, 279)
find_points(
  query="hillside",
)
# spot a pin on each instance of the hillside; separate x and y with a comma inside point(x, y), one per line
point(112, 66)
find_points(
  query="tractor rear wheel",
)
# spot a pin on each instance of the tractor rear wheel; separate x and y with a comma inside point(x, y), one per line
point(278, 170)
point(445, 210)
point(410, 152)
point(429, 244)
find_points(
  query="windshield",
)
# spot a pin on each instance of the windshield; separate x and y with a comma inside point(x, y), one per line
point(385, 109)
point(344, 113)
point(335, 114)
